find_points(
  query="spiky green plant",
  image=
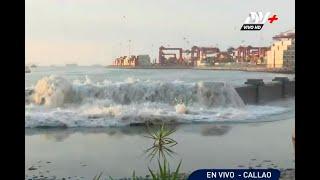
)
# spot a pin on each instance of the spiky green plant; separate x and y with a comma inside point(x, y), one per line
point(161, 142)
point(164, 172)
point(98, 176)
point(161, 146)
point(162, 152)
point(134, 176)
point(161, 136)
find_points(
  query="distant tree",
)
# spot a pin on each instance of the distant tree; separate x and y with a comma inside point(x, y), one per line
point(230, 49)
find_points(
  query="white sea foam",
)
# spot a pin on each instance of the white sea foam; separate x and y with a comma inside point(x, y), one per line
point(118, 115)
point(58, 103)
point(52, 91)
point(181, 108)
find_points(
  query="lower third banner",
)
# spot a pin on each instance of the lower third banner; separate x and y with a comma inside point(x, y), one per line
point(235, 174)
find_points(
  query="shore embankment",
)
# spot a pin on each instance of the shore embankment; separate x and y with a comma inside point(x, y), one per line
point(252, 68)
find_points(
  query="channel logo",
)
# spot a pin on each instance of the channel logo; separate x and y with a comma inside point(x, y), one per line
point(256, 20)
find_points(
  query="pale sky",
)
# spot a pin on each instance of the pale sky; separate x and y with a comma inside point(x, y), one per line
point(96, 31)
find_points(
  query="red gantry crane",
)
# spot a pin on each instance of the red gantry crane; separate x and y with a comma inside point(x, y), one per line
point(250, 53)
point(163, 56)
point(199, 53)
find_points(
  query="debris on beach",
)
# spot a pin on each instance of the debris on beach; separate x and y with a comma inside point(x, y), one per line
point(32, 168)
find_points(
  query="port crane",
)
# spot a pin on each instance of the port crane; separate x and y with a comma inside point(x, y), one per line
point(200, 53)
point(163, 55)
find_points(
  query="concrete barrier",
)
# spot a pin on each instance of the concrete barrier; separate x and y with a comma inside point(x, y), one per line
point(270, 92)
point(255, 91)
point(290, 89)
point(248, 94)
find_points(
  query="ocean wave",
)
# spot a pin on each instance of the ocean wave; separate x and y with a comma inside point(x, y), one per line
point(56, 102)
point(55, 91)
point(93, 115)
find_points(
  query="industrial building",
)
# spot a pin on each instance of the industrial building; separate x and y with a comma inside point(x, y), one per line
point(280, 55)
point(171, 56)
point(197, 56)
point(289, 56)
point(132, 61)
point(204, 56)
point(143, 60)
point(282, 52)
point(208, 56)
point(224, 57)
point(251, 54)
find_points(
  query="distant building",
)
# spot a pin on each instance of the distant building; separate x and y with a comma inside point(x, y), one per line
point(132, 61)
point(289, 56)
point(71, 65)
point(282, 52)
point(250, 54)
point(223, 57)
point(144, 60)
point(202, 63)
point(203, 56)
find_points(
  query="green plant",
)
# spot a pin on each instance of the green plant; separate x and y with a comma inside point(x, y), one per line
point(134, 176)
point(97, 177)
point(164, 172)
point(161, 146)
point(161, 136)
point(161, 142)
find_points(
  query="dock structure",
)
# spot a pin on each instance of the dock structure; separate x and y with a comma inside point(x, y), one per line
point(279, 56)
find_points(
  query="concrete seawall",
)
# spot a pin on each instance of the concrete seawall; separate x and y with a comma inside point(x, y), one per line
point(255, 91)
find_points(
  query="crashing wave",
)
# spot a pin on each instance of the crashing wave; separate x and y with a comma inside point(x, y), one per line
point(52, 91)
point(55, 91)
point(181, 108)
point(56, 102)
point(92, 115)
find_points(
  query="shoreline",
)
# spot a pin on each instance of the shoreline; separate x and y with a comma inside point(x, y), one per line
point(246, 69)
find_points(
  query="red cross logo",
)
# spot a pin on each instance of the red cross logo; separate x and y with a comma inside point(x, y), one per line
point(273, 18)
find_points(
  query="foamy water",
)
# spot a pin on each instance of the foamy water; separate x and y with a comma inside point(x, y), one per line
point(60, 101)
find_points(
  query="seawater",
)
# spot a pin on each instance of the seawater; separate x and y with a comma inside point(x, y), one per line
point(98, 104)
point(101, 97)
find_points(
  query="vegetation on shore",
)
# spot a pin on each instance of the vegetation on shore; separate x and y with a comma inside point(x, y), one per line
point(160, 148)
point(161, 142)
